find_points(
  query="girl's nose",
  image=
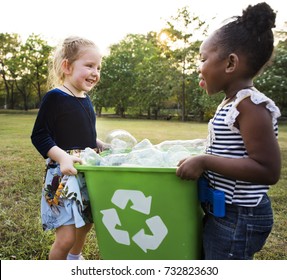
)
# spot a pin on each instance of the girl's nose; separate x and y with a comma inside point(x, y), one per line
point(198, 67)
point(96, 72)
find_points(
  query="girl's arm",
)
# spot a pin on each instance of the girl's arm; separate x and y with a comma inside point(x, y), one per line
point(65, 160)
point(264, 162)
point(102, 145)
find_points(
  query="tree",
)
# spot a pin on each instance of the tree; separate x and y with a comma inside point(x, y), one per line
point(24, 69)
point(9, 47)
point(118, 78)
point(136, 75)
point(155, 78)
point(179, 45)
point(35, 56)
point(273, 81)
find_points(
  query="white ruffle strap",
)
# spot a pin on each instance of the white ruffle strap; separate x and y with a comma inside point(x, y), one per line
point(256, 97)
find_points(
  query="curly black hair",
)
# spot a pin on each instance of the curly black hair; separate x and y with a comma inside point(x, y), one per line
point(250, 35)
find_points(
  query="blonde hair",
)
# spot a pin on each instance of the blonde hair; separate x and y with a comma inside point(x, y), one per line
point(70, 49)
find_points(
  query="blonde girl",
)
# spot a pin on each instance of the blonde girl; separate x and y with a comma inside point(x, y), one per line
point(66, 124)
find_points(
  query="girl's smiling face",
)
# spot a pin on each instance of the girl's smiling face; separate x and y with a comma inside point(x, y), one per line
point(85, 71)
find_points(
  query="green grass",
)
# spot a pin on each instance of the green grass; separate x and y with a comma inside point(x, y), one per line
point(22, 170)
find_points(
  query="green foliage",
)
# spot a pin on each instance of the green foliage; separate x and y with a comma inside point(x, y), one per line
point(23, 70)
point(182, 48)
point(273, 82)
point(117, 85)
point(147, 75)
point(9, 47)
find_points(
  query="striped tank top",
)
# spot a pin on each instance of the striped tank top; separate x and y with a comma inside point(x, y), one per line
point(225, 140)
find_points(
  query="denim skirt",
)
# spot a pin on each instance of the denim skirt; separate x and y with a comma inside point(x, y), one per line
point(240, 234)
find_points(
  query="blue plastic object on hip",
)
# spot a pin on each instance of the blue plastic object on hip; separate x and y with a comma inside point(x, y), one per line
point(215, 199)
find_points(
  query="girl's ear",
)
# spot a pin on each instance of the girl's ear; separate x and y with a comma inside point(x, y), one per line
point(66, 67)
point(232, 63)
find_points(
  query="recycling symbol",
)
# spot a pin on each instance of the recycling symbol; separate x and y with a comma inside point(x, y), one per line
point(141, 204)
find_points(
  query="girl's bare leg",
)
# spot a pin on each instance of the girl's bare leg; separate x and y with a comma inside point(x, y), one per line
point(81, 234)
point(64, 241)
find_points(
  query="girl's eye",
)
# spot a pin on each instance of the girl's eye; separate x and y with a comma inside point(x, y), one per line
point(201, 58)
point(200, 62)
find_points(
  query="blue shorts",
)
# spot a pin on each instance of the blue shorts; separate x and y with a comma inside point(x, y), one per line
point(65, 199)
point(240, 234)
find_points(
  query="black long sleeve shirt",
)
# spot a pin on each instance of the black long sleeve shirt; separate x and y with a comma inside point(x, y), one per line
point(65, 121)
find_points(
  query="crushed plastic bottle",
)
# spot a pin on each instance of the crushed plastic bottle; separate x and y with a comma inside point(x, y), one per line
point(150, 157)
point(176, 153)
point(194, 146)
point(121, 138)
point(90, 157)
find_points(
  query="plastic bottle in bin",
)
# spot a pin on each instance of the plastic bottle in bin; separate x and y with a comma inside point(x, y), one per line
point(120, 141)
point(215, 198)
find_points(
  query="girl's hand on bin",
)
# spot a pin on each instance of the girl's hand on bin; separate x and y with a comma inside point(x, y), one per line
point(67, 165)
point(65, 160)
point(190, 168)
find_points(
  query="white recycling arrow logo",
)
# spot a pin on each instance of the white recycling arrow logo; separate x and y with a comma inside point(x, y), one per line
point(110, 220)
point(141, 204)
point(151, 242)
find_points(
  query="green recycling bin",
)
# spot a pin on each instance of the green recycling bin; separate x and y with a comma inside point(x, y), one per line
point(144, 213)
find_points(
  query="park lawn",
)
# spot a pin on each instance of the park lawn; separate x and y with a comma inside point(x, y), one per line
point(22, 170)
